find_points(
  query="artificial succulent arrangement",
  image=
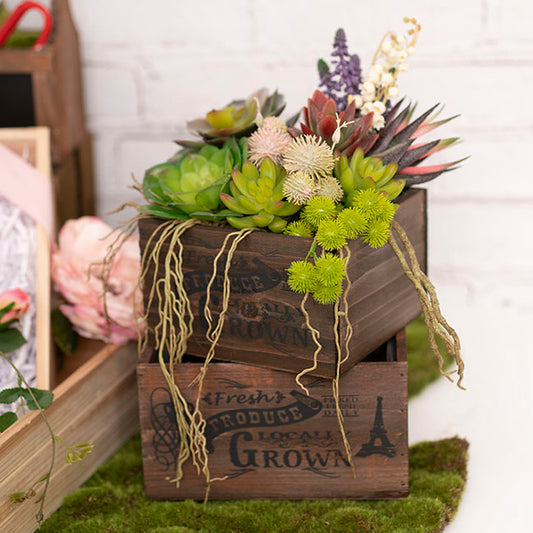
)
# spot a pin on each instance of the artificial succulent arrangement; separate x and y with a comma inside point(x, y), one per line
point(331, 178)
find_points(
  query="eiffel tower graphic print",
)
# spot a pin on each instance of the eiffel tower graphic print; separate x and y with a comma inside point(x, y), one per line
point(378, 433)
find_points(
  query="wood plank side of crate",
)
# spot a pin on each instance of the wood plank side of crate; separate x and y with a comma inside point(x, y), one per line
point(381, 298)
point(97, 402)
point(264, 325)
point(272, 441)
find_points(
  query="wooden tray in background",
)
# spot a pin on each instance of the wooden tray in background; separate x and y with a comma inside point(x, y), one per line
point(97, 402)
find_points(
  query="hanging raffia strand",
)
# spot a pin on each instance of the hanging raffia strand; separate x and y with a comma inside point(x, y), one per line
point(315, 334)
point(175, 326)
point(435, 322)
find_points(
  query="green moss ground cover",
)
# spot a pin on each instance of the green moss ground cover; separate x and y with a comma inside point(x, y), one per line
point(113, 499)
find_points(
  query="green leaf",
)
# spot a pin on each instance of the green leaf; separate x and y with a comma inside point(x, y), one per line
point(43, 397)
point(63, 333)
point(6, 309)
point(11, 395)
point(6, 420)
point(11, 340)
point(161, 212)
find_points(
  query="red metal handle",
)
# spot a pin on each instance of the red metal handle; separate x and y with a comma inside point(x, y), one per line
point(16, 15)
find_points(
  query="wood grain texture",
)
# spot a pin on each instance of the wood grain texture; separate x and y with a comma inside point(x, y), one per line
point(272, 441)
point(33, 145)
point(56, 82)
point(97, 402)
point(264, 325)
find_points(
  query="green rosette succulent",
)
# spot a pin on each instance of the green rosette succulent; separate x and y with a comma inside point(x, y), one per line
point(358, 173)
point(189, 185)
point(237, 119)
point(257, 195)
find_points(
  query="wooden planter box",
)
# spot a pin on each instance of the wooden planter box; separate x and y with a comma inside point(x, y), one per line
point(264, 325)
point(44, 87)
point(97, 402)
point(272, 441)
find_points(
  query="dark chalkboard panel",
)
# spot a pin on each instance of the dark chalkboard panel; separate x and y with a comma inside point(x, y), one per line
point(16, 101)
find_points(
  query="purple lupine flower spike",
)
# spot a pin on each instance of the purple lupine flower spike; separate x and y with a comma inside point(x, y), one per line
point(346, 76)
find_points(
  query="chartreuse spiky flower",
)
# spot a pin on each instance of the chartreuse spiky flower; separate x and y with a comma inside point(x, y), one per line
point(329, 270)
point(354, 221)
point(331, 234)
point(324, 294)
point(377, 234)
point(258, 195)
point(302, 276)
point(299, 228)
point(318, 209)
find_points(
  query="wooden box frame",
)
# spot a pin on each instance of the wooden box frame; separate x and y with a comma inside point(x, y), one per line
point(33, 145)
point(264, 325)
point(96, 400)
point(274, 442)
point(55, 73)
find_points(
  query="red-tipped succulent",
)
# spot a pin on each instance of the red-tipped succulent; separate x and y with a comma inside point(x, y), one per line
point(322, 119)
point(396, 144)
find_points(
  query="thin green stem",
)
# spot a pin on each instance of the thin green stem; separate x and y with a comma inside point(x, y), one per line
point(40, 513)
point(312, 251)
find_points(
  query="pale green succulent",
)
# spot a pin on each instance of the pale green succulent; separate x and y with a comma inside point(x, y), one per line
point(359, 173)
point(258, 196)
point(189, 186)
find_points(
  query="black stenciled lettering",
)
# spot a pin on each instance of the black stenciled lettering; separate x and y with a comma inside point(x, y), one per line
point(258, 333)
point(296, 462)
point(235, 325)
point(340, 455)
point(247, 458)
point(271, 456)
point(316, 457)
point(276, 334)
point(299, 336)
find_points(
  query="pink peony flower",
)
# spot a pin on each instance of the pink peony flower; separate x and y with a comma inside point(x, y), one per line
point(77, 271)
point(22, 303)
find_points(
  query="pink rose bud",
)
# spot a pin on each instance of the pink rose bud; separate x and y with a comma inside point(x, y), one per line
point(22, 303)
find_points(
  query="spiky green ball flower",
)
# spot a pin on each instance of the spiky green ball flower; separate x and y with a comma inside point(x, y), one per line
point(387, 211)
point(309, 154)
point(354, 221)
point(299, 188)
point(318, 209)
point(330, 270)
point(299, 228)
point(331, 234)
point(377, 234)
point(369, 201)
point(327, 295)
point(302, 276)
point(330, 187)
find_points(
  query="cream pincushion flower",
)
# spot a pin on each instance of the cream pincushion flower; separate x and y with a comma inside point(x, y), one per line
point(270, 140)
point(310, 155)
point(299, 188)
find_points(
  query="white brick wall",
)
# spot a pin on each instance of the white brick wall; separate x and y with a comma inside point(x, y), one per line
point(150, 66)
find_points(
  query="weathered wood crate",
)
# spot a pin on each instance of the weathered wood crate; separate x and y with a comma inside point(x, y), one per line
point(44, 87)
point(97, 402)
point(264, 325)
point(272, 441)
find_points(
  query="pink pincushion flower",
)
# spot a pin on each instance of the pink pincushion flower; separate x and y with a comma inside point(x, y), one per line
point(21, 302)
point(77, 272)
